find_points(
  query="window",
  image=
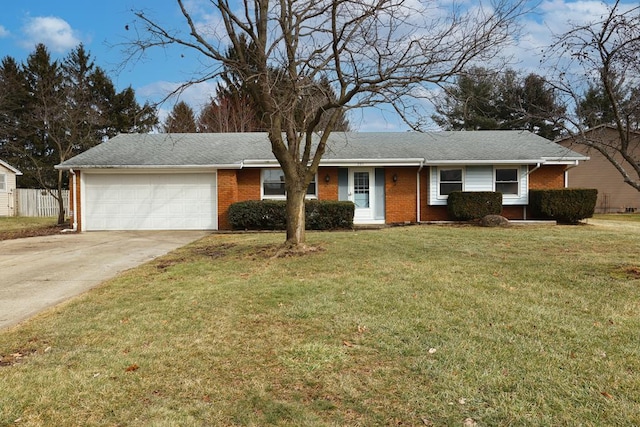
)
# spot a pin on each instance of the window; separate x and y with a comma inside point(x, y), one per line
point(273, 185)
point(3, 182)
point(507, 181)
point(450, 181)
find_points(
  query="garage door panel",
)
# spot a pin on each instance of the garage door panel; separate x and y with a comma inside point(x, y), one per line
point(149, 201)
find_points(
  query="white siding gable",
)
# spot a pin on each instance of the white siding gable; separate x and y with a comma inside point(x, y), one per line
point(7, 191)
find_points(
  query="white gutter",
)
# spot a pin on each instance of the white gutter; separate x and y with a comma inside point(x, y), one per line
point(342, 162)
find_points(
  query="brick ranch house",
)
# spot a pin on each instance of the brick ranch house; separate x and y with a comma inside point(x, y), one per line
point(188, 181)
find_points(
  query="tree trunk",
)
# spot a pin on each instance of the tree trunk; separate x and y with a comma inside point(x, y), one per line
point(295, 217)
point(60, 200)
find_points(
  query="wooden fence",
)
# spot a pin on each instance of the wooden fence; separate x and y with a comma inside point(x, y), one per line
point(33, 202)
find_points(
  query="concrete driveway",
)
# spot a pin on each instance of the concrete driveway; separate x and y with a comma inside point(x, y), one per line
point(39, 272)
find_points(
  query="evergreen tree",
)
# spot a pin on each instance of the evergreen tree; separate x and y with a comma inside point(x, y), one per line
point(482, 100)
point(181, 119)
point(51, 111)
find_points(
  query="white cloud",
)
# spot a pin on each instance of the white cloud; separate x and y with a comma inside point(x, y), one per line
point(53, 32)
point(3, 32)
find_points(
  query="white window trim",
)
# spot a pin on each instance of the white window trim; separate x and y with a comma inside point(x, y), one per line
point(283, 197)
point(441, 168)
point(3, 182)
point(519, 180)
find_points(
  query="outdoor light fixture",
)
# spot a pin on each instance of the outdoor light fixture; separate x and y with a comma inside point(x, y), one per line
point(395, 177)
point(327, 178)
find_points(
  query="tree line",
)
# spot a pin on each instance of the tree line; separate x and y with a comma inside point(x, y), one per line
point(52, 110)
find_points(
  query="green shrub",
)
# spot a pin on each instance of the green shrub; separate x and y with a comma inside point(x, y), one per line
point(565, 205)
point(469, 205)
point(328, 215)
point(271, 215)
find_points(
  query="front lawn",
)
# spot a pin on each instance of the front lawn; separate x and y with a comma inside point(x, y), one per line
point(13, 227)
point(423, 325)
point(630, 217)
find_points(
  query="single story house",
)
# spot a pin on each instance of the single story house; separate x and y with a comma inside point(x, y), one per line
point(188, 181)
point(614, 195)
point(8, 189)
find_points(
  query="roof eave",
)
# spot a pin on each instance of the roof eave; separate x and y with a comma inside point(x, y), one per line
point(11, 168)
point(97, 167)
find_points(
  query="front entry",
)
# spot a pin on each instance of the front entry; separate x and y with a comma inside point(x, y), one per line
point(363, 193)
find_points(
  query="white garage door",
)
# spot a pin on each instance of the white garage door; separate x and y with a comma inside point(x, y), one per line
point(184, 201)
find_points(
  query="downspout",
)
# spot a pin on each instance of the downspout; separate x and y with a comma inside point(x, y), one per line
point(566, 173)
point(418, 199)
point(73, 200)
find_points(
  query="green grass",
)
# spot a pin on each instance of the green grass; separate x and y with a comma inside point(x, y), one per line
point(414, 326)
point(16, 223)
point(632, 217)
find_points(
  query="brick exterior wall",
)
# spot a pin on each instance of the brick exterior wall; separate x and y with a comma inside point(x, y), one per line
point(227, 194)
point(328, 190)
point(401, 199)
point(235, 185)
point(547, 177)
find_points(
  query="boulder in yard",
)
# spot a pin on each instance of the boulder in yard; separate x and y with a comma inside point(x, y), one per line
point(494, 221)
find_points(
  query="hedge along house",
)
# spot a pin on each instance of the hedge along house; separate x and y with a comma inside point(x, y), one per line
point(188, 181)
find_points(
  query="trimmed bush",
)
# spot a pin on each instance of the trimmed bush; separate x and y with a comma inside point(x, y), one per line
point(565, 205)
point(470, 205)
point(328, 215)
point(271, 215)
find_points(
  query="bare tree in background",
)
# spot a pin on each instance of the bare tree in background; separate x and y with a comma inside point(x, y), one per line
point(371, 52)
point(597, 70)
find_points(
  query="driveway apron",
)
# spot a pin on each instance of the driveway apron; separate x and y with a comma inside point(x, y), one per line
point(40, 272)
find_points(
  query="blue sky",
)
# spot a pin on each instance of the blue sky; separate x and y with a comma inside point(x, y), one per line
point(101, 26)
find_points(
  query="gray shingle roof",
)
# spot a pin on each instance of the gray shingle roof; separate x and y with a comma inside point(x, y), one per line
point(236, 149)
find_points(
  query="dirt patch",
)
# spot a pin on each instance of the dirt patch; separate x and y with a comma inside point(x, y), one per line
point(165, 263)
point(214, 251)
point(16, 357)
point(32, 232)
point(632, 272)
point(287, 251)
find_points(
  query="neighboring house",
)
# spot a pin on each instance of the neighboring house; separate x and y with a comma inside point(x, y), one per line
point(8, 189)
point(188, 181)
point(614, 195)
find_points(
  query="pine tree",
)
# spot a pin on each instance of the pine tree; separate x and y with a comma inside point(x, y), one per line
point(51, 111)
point(181, 119)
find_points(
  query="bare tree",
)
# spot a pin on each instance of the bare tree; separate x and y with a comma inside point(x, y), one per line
point(228, 112)
point(596, 66)
point(371, 53)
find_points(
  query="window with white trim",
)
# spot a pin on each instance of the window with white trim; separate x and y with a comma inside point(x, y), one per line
point(3, 182)
point(450, 180)
point(507, 181)
point(273, 185)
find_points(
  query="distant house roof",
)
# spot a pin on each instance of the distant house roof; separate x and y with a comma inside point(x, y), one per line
point(11, 168)
point(237, 150)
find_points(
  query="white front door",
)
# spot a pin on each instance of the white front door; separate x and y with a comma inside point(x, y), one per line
point(362, 194)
